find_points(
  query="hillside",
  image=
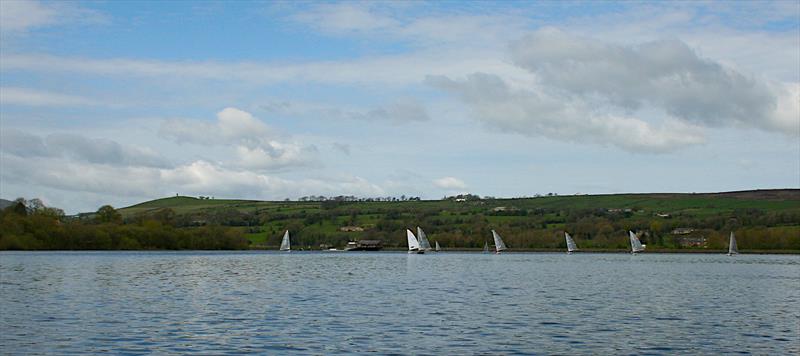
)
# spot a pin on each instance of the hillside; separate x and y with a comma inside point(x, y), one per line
point(5, 203)
point(770, 217)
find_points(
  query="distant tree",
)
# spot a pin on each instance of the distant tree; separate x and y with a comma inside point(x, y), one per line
point(54, 213)
point(166, 216)
point(19, 207)
point(35, 205)
point(108, 215)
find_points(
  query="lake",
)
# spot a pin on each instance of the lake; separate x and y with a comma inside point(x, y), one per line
point(445, 303)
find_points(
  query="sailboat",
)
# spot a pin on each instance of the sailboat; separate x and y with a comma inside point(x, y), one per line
point(499, 245)
point(285, 245)
point(571, 247)
point(424, 244)
point(438, 248)
point(413, 244)
point(732, 248)
point(636, 245)
point(485, 247)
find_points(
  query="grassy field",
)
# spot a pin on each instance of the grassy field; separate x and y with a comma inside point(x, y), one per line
point(597, 221)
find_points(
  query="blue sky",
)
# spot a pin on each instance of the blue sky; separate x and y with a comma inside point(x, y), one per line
point(116, 102)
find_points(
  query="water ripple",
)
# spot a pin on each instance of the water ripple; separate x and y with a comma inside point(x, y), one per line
point(391, 303)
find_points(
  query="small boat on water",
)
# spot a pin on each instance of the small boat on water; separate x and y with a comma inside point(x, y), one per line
point(499, 245)
point(485, 247)
point(424, 244)
point(571, 247)
point(438, 248)
point(364, 245)
point(636, 245)
point(732, 248)
point(285, 244)
point(413, 243)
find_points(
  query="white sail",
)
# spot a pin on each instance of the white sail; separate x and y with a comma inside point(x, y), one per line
point(498, 242)
point(438, 248)
point(423, 239)
point(732, 248)
point(570, 243)
point(413, 244)
point(636, 245)
point(485, 247)
point(285, 245)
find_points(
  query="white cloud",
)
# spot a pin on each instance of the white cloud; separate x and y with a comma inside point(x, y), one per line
point(450, 183)
point(738, 36)
point(786, 117)
point(536, 112)
point(256, 145)
point(397, 70)
point(32, 97)
point(667, 75)
point(341, 147)
point(344, 18)
point(23, 15)
point(434, 29)
point(79, 148)
point(275, 155)
point(19, 15)
point(655, 97)
point(195, 178)
point(401, 110)
point(80, 176)
point(480, 31)
point(233, 126)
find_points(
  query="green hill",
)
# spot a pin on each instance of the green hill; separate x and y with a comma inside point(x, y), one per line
point(764, 219)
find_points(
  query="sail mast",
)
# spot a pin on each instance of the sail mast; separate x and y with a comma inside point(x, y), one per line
point(413, 244)
point(570, 243)
point(636, 245)
point(423, 240)
point(285, 244)
point(732, 248)
point(499, 245)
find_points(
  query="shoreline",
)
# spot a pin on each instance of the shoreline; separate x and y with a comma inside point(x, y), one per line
point(457, 250)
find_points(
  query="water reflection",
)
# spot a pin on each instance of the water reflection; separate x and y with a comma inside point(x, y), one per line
point(223, 303)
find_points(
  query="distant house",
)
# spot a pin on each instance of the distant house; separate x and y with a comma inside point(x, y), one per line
point(616, 210)
point(504, 208)
point(682, 231)
point(663, 215)
point(81, 216)
point(693, 241)
point(461, 199)
point(364, 245)
point(351, 229)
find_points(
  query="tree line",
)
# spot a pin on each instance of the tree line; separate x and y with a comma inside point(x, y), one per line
point(26, 225)
point(30, 225)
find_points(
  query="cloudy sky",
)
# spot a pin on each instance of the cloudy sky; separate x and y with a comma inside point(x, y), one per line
point(114, 102)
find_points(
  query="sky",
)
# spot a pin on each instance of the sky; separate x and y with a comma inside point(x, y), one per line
point(119, 102)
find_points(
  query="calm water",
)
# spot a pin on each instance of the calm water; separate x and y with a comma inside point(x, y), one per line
point(328, 303)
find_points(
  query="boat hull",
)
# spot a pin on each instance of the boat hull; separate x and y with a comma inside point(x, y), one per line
point(364, 249)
